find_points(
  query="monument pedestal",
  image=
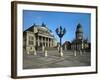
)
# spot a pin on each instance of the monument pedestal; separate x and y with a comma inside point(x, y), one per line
point(61, 53)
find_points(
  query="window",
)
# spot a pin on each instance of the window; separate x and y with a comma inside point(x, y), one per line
point(31, 38)
point(30, 42)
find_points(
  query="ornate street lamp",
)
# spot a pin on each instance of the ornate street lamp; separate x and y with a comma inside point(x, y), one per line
point(60, 32)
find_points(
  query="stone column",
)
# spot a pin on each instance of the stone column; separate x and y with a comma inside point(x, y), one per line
point(27, 40)
point(42, 40)
point(38, 41)
point(52, 43)
point(48, 41)
point(27, 43)
point(45, 42)
point(43, 46)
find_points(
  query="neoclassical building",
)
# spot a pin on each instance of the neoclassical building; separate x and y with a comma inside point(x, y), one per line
point(79, 43)
point(36, 37)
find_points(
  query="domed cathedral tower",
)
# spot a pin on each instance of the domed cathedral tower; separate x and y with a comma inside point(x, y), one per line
point(77, 44)
point(79, 32)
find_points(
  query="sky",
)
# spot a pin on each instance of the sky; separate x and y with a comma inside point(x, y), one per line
point(68, 20)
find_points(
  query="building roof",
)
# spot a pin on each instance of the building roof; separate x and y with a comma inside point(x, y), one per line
point(40, 28)
point(66, 43)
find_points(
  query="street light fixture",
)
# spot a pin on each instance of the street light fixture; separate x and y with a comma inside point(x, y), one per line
point(60, 32)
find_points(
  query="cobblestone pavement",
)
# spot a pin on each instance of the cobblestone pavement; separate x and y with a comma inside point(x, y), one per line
point(54, 60)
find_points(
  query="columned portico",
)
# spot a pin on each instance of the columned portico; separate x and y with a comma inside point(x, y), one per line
point(44, 41)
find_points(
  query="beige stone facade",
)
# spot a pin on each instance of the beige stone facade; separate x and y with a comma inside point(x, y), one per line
point(36, 37)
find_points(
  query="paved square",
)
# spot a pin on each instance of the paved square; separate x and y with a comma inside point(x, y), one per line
point(54, 60)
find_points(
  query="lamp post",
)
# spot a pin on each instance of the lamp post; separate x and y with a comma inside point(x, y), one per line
point(60, 32)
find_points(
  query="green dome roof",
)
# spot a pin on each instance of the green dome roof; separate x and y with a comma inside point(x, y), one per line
point(79, 28)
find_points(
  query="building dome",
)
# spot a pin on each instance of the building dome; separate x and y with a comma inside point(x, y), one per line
point(79, 29)
point(43, 27)
point(79, 32)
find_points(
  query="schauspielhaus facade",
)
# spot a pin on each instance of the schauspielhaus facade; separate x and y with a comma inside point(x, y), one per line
point(36, 37)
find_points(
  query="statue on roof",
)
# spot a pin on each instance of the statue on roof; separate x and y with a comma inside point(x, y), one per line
point(43, 25)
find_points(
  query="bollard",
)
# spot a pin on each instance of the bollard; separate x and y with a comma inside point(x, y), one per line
point(28, 52)
point(58, 48)
point(34, 52)
point(74, 53)
point(61, 53)
point(45, 52)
